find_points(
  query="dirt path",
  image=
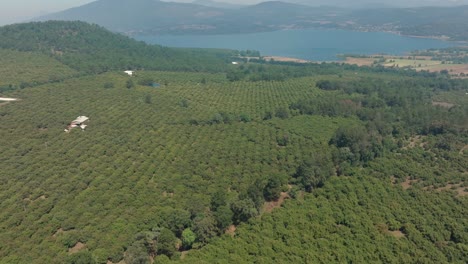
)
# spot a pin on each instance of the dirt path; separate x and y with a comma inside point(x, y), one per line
point(78, 247)
point(269, 206)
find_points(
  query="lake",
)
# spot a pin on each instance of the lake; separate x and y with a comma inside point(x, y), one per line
point(308, 44)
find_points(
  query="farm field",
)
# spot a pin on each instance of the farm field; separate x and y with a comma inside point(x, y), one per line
point(267, 162)
point(27, 68)
point(143, 150)
point(419, 63)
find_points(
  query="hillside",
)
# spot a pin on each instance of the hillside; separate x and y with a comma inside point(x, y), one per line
point(139, 15)
point(156, 17)
point(196, 168)
point(422, 21)
point(91, 48)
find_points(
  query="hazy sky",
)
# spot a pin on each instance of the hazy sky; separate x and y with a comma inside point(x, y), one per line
point(21, 10)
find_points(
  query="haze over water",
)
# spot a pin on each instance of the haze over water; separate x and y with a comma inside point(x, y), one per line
point(309, 44)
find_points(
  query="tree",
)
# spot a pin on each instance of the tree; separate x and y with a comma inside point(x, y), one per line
point(218, 199)
point(148, 99)
point(243, 210)
point(188, 238)
point(313, 174)
point(268, 115)
point(204, 227)
point(166, 242)
point(245, 118)
point(272, 190)
point(255, 193)
point(137, 253)
point(83, 257)
point(109, 85)
point(223, 216)
point(129, 84)
point(282, 113)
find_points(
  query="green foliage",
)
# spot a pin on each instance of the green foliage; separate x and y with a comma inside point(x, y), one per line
point(282, 113)
point(30, 68)
point(83, 257)
point(166, 242)
point(188, 238)
point(137, 253)
point(129, 84)
point(148, 99)
point(273, 188)
point(109, 85)
point(348, 220)
point(243, 210)
point(150, 171)
point(93, 49)
point(223, 216)
point(204, 227)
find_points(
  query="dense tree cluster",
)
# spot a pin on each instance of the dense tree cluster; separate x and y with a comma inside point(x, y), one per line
point(93, 49)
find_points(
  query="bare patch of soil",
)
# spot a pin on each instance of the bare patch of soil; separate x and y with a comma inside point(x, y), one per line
point(269, 206)
point(443, 104)
point(231, 230)
point(415, 141)
point(360, 61)
point(59, 231)
point(183, 254)
point(40, 198)
point(166, 194)
point(110, 262)
point(77, 248)
point(408, 183)
point(397, 233)
point(383, 228)
point(459, 189)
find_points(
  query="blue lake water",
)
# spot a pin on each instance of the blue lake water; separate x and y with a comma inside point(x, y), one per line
point(309, 44)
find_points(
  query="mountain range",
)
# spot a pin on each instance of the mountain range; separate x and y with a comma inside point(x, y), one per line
point(152, 17)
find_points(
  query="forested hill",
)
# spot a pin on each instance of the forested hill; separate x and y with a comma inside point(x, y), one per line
point(93, 49)
point(125, 15)
point(423, 21)
point(156, 17)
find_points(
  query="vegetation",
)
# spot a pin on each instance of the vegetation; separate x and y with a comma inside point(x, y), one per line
point(190, 171)
point(93, 49)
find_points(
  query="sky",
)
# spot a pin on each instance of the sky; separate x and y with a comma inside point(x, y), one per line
point(12, 11)
point(21, 10)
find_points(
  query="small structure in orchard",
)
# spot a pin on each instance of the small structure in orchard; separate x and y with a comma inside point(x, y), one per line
point(78, 122)
point(129, 73)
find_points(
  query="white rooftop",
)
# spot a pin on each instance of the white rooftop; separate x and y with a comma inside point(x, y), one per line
point(81, 119)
